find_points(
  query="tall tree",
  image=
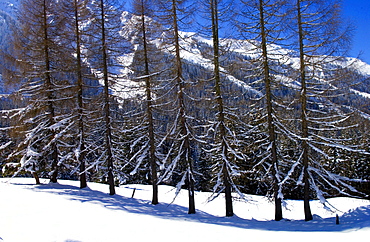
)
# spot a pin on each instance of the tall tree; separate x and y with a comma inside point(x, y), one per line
point(261, 23)
point(38, 58)
point(227, 124)
point(106, 98)
point(320, 36)
point(80, 102)
point(106, 46)
point(141, 28)
point(181, 135)
point(76, 15)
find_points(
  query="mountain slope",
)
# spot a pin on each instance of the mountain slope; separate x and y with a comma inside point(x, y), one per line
point(196, 47)
point(196, 52)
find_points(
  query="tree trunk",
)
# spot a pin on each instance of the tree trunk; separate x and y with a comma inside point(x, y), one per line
point(228, 196)
point(184, 131)
point(107, 118)
point(191, 194)
point(49, 93)
point(81, 133)
point(36, 176)
point(149, 101)
point(220, 106)
point(270, 121)
point(303, 99)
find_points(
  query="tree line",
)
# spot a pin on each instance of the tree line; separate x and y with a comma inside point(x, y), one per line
point(121, 97)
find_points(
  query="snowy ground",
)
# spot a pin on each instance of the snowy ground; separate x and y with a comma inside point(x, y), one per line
point(64, 213)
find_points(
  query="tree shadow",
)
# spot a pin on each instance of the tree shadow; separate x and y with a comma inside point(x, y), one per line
point(352, 220)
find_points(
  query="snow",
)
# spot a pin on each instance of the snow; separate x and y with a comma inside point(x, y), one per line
point(362, 67)
point(363, 94)
point(63, 212)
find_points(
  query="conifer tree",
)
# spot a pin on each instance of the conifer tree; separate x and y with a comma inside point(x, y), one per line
point(261, 24)
point(105, 46)
point(180, 134)
point(140, 30)
point(76, 15)
point(38, 60)
point(320, 36)
point(227, 124)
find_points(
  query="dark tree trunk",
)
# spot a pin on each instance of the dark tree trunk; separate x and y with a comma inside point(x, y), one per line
point(35, 175)
point(149, 101)
point(106, 111)
point(270, 121)
point(37, 179)
point(303, 99)
point(184, 131)
point(81, 133)
point(191, 194)
point(49, 93)
point(220, 106)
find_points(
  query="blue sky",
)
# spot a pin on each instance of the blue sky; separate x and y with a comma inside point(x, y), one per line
point(358, 11)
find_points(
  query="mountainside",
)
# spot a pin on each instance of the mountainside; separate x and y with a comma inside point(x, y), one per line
point(194, 52)
point(235, 61)
point(7, 22)
point(9, 6)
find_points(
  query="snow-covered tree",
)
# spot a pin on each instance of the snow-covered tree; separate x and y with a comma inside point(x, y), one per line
point(320, 37)
point(180, 134)
point(43, 120)
point(143, 72)
point(227, 124)
point(105, 47)
point(261, 25)
point(76, 14)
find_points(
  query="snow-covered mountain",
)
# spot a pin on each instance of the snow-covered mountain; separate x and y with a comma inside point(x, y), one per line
point(9, 5)
point(194, 52)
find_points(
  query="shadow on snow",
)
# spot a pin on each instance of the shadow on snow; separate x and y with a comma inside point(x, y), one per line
point(352, 220)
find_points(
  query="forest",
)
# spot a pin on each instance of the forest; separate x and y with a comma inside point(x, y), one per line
point(228, 97)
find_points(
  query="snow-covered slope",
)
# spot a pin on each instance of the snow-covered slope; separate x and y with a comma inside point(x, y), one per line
point(193, 47)
point(62, 212)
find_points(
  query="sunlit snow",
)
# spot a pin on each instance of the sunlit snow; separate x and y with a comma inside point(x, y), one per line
point(62, 212)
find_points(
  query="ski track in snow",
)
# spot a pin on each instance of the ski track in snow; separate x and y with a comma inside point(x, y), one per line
point(63, 212)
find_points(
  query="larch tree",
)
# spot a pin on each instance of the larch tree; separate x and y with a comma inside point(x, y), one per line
point(140, 29)
point(38, 60)
point(76, 15)
point(227, 125)
point(78, 7)
point(105, 45)
point(261, 25)
point(321, 36)
point(180, 134)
